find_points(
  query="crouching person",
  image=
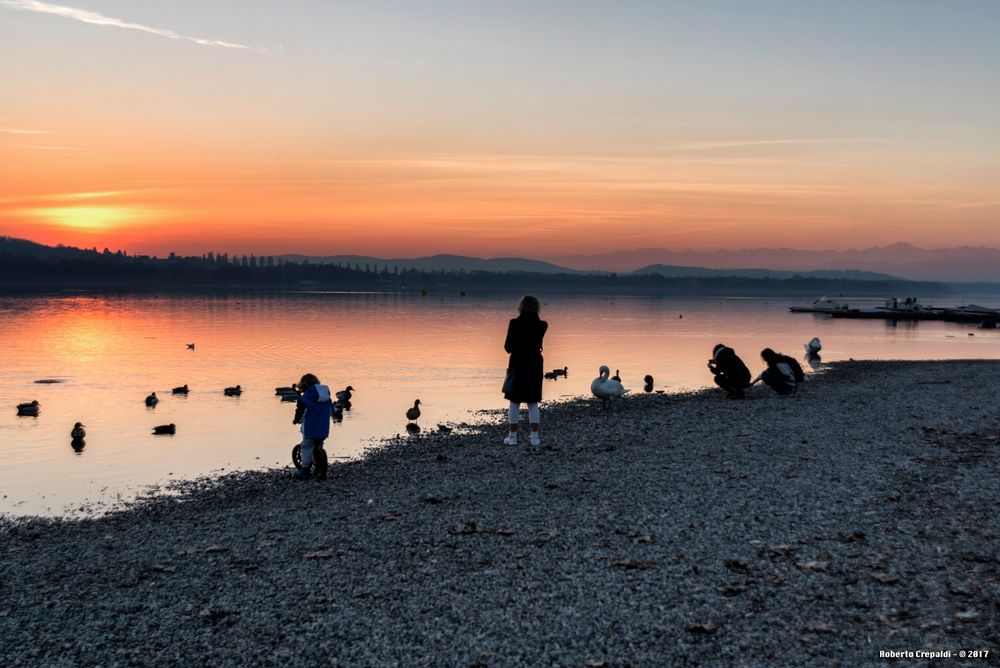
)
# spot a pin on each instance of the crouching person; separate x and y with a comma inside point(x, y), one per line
point(731, 374)
point(780, 374)
point(313, 411)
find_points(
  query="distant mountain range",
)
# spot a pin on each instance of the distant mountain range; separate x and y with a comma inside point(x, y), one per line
point(515, 264)
point(898, 261)
point(962, 264)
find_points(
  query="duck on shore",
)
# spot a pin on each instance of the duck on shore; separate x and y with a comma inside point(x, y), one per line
point(30, 409)
point(152, 400)
point(233, 391)
point(413, 413)
point(165, 429)
point(606, 389)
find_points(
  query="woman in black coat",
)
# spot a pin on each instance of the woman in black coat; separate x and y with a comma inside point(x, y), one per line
point(524, 371)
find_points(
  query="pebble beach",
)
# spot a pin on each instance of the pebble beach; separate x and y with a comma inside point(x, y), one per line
point(860, 516)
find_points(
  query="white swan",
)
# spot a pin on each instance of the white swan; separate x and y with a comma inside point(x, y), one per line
point(814, 346)
point(604, 389)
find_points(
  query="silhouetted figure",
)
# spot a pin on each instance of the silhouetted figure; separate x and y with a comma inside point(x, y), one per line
point(316, 406)
point(413, 413)
point(523, 383)
point(165, 429)
point(183, 389)
point(647, 383)
point(782, 373)
point(731, 374)
point(30, 409)
point(152, 400)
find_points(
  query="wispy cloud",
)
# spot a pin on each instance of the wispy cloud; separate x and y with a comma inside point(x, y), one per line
point(19, 131)
point(48, 148)
point(101, 20)
point(717, 145)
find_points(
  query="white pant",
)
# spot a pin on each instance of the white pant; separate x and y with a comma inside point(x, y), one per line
point(514, 414)
point(306, 451)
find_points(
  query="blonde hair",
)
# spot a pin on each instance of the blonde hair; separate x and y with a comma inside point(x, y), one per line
point(528, 304)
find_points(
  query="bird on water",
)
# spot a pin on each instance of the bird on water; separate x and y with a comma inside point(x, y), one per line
point(414, 413)
point(30, 409)
point(183, 389)
point(345, 394)
point(152, 399)
point(165, 429)
point(78, 433)
point(233, 391)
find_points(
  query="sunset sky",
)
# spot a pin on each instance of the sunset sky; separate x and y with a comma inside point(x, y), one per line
point(494, 128)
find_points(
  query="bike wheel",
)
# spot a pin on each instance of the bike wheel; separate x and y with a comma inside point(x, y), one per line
point(297, 455)
point(320, 463)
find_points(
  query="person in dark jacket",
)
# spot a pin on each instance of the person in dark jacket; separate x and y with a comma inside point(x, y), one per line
point(524, 370)
point(731, 374)
point(783, 374)
point(313, 411)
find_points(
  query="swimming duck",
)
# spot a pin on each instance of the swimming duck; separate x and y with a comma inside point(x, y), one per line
point(414, 413)
point(183, 389)
point(233, 391)
point(813, 346)
point(165, 429)
point(337, 413)
point(152, 400)
point(606, 389)
point(30, 409)
point(78, 433)
point(294, 389)
point(345, 394)
point(550, 375)
point(561, 372)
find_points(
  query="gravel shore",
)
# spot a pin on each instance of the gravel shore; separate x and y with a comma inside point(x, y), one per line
point(861, 515)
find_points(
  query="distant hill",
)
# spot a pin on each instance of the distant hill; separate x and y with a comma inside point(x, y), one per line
point(438, 263)
point(962, 264)
point(673, 271)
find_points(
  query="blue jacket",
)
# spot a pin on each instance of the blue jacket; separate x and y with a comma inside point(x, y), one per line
point(319, 410)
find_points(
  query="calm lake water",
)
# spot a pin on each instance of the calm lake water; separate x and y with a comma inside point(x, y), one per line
point(111, 351)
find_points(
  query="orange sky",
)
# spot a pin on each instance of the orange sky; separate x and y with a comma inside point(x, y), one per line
point(492, 134)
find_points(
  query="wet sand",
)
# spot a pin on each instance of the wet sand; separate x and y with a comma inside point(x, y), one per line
point(859, 516)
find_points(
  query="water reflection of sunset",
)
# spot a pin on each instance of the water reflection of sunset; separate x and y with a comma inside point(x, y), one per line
point(445, 350)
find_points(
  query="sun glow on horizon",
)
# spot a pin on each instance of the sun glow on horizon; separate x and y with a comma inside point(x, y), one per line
point(490, 129)
point(91, 218)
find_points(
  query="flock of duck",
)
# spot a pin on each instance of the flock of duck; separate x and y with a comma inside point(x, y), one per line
point(605, 387)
